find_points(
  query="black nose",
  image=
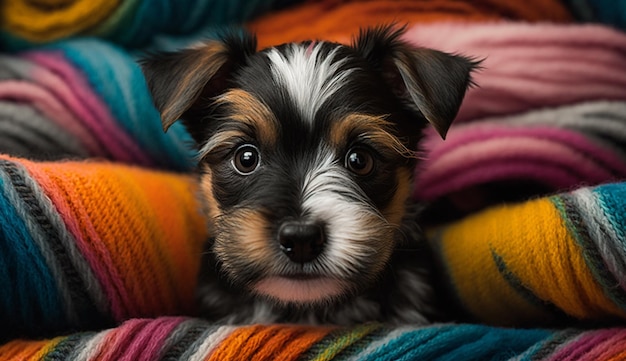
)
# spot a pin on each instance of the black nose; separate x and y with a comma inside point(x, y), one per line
point(301, 242)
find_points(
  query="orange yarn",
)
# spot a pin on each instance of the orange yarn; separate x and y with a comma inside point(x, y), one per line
point(260, 342)
point(339, 20)
point(20, 350)
point(142, 231)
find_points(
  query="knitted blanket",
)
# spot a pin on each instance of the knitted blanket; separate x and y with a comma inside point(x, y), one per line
point(101, 229)
point(173, 338)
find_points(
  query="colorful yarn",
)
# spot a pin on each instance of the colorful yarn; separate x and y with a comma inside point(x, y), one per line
point(543, 261)
point(558, 148)
point(87, 244)
point(129, 23)
point(177, 338)
point(529, 66)
point(93, 93)
point(340, 20)
point(174, 338)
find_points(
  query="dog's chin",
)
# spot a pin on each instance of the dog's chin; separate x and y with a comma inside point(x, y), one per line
point(301, 290)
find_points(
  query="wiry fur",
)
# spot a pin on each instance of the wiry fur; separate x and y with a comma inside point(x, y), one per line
point(306, 107)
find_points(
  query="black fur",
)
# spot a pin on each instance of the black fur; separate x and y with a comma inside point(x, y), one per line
point(408, 87)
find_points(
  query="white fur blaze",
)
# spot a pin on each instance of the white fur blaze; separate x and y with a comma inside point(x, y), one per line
point(309, 78)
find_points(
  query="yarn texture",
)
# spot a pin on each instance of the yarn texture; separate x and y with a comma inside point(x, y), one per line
point(102, 227)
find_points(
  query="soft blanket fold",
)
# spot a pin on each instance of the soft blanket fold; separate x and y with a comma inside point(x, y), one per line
point(87, 244)
point(98, 257)
point(174, 338)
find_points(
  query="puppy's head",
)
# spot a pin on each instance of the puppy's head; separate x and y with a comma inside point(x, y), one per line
point(306, 152)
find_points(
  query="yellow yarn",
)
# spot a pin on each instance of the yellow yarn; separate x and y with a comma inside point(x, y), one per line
point(42, 21)
point(536, 249)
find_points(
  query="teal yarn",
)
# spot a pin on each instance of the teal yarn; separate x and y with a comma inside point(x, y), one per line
point(454, 342)
point(612, 200)
point(28, 285)
point(138, 25)
point(118, 80)
point(180, 17)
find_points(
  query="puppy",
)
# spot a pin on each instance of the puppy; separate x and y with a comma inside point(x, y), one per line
point(306, 155)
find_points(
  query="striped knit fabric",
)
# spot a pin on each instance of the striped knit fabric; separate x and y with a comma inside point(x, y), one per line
point(99, 255)
point(87, 245)
point(168, 338)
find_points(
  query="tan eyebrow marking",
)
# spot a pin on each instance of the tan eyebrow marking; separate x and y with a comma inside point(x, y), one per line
point(371, 127)
point(248, 110)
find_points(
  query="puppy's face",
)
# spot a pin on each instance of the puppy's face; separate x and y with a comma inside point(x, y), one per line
point(306, 152)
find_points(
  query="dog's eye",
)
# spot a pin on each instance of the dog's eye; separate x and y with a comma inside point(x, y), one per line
point(247, 159)
point(360, 161)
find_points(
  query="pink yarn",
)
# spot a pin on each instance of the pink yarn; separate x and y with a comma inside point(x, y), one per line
point(52, 108)
point(62, 80)
point(120, 304)
point(147, 345)
point(530, 66)
point(509, 148)
point(605, 339)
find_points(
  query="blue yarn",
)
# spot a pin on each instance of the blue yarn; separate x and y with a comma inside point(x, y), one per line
point(397, 347)
point(119, 81)
point(612, 200)
point(29, 299)
point(492, 344)
point(459, 342)
point(151, 18)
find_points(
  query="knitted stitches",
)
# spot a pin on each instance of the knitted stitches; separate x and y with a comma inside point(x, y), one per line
point(541, 261)
point(89, 245)
point(172, 338)
point(70, 258)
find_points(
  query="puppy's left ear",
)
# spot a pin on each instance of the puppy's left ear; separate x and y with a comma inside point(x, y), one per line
point(431, 81)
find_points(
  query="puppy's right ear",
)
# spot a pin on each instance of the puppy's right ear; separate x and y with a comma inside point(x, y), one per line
point(183, 82)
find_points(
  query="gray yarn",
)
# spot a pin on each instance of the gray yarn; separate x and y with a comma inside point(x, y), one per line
point(14, 68)
point(602, 117)
point(604, 122)
point(602, 234)
point(26, 133)
point(67, 240)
